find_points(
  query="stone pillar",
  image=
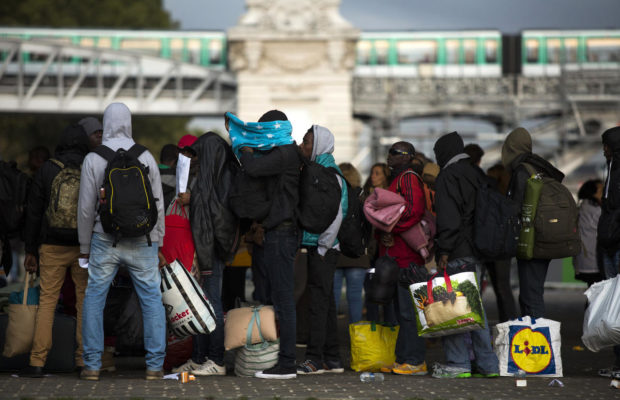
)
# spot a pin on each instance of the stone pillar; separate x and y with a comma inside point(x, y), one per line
point(298, 57)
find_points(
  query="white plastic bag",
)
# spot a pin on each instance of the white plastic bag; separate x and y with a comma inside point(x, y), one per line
point(187, 308)
point(529, 344)
point(601, 322)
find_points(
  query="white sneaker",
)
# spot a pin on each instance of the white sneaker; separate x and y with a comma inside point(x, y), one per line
point(210, 368)
point(188, 366)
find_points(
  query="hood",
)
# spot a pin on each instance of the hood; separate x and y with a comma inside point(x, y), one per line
point(517, 143)
point(448, 146)
point(611, 137)
point(90, 125)
point(323, 141)
point(73, 141)
point(117, 127)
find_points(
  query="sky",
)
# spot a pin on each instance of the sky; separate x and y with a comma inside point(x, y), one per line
point(509, 16)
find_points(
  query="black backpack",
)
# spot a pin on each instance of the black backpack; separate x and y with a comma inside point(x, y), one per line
point(14, 185)
point(382, 283)
point(249, 197)
point(496, 224)
point(319, 197)
point(127, 208)
point(355, 230)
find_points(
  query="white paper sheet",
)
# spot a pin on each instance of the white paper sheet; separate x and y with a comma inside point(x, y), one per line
point(182, 173)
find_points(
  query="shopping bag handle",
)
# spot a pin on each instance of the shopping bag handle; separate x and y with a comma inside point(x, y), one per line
point(175, 207)
point(248, 336)
point(429, 285)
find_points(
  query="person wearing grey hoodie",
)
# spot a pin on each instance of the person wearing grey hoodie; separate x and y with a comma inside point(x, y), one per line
point(322, 353)
point(104, 258)
point(516, 151)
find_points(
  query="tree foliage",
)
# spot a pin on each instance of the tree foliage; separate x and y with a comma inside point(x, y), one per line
point(20, 132)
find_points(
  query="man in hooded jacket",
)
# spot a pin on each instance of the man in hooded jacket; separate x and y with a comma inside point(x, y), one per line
point(608, 238)
point(56, 248)
point(322, 354)
point(516, 151)
point(455, 202)
point(140, 258)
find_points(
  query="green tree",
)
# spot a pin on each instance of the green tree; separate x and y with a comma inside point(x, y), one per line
point(20, 132)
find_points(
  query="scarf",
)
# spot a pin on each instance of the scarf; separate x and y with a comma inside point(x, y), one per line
point(258, 135)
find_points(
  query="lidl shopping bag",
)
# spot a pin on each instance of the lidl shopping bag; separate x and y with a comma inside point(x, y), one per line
point(188, 310)
point(372, 345)
point(448, 304)
point(530, 344)
point(601, 322)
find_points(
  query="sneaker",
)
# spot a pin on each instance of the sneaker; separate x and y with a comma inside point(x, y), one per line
point(188, 366)
point(445, 371)
point(309, 367)
point(333, 367)
point(107, 360)
point(31, 372)
point(209, 368)
point(89, 374)
point(483, 375)
point(389, 368)
point(153, 375)
point(277, 372)
point(410, 369)
point(608, 372)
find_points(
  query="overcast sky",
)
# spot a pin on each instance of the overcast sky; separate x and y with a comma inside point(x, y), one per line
point(509, 16)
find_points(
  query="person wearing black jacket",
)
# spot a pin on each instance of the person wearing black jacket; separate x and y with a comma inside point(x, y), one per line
point(274, 260)
point(56, 248)
point(516, 151)
point(455, 202)
point(608, 243)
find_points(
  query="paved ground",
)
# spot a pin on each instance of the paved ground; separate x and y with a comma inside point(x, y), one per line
point(581, 381)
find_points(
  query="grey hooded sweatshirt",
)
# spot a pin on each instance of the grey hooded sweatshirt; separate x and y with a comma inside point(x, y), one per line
point(116, 135)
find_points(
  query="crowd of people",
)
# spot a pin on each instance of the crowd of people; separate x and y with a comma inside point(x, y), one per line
point(246, 190)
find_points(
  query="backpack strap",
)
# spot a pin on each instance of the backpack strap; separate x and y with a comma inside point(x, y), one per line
point(57, 162)
point(136, 150)
point(420, 181)
point(105, 152)
point(530, 169)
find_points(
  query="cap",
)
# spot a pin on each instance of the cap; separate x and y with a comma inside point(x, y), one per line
point(90, 125)
point(186, 142)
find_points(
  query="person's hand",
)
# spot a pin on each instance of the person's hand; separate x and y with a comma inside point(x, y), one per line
point(162, 259)
point(30, 263)
point(387, 239)
point(184, 198)
point(82, 255)
point(442, 263)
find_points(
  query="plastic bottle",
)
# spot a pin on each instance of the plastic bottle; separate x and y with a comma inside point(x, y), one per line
point(371, 377)
point(520, 380)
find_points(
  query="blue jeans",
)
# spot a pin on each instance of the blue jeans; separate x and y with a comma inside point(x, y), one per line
point(141, 262)
point(211, 346)
point(275, 261)
point(611, 268)
point(410, 348)
point(457, 354)
point(355, 282)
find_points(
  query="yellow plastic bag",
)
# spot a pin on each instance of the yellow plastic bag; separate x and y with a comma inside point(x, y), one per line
point(372, 345)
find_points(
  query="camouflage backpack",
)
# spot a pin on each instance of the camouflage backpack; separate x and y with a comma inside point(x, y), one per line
point(61, 211)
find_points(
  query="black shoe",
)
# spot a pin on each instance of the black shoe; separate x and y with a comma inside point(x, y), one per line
point(31, 372)
point(278, 372)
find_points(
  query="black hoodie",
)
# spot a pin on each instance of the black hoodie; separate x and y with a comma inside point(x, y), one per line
point(455, 197)
point(71, 151)
point(611, 191)
point(214, 227)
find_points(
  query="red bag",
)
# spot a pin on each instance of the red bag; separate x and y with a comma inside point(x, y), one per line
point(177, 352)
point(178, 240)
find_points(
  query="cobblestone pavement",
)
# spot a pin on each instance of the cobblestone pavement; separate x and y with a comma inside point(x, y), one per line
point(580, 379)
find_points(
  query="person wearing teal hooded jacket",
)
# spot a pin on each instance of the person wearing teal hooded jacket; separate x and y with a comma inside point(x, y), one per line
point(322, 353)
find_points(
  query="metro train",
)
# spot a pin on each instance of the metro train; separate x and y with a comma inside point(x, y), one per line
point(483, 53)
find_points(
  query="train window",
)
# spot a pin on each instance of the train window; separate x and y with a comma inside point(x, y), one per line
point(87, 42)
point(570, 50)
point(469, 51)
point(490, 51)
point(215, 51)
point(146, 46)
point(603, 50)
point(176, 49)
point(452, 51)
point(104, 43)
point(193, 49)
point(363, 52)
point(553, 51)
point(381, 50)
point(417, 52)
point(531, 50)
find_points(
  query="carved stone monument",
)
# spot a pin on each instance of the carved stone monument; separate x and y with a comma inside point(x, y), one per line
point(298, 57)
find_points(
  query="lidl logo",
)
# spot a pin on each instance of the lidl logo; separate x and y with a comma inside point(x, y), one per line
point(530, 350)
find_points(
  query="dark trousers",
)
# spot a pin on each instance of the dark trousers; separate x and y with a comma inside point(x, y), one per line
point(323, 335)
point(532, 275)
point(211, 346)
point(499, 274)
point(274, 262)
point(410, 348)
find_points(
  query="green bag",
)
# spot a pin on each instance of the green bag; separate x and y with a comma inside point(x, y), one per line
point(549, 220)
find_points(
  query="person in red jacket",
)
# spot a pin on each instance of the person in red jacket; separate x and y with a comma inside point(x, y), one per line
point(410, 348)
